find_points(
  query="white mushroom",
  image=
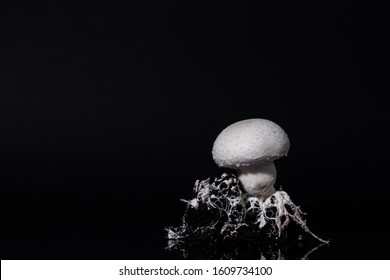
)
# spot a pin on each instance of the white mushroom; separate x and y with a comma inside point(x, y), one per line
point(250, 146)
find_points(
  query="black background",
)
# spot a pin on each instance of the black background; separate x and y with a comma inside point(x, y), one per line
point(108, 115)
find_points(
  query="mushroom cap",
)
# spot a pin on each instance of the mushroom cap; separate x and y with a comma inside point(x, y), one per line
point(250, 142)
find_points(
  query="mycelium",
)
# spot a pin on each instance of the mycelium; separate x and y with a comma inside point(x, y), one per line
point(234, 208)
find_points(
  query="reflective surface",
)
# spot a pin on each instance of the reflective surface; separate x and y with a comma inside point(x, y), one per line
point(108, 115)
point(124, 231)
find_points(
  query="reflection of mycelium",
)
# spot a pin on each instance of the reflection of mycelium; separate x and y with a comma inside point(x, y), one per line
point(248, 205)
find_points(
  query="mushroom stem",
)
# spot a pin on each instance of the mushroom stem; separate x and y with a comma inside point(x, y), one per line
point(258, 180)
